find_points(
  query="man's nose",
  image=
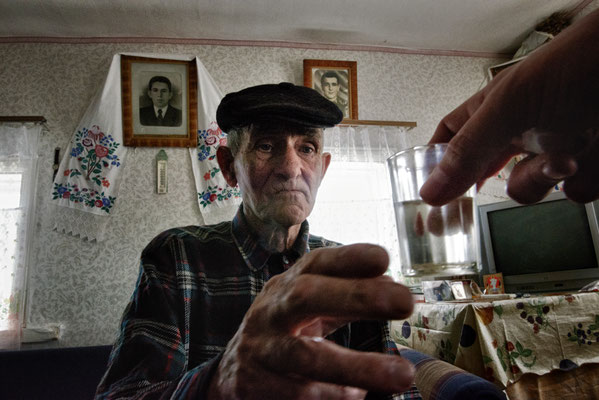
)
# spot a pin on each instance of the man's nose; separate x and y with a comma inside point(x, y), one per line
point(289, 163)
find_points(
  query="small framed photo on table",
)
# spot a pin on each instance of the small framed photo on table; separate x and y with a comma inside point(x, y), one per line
point(159, 102)
point(494, 283)
point(336, 81)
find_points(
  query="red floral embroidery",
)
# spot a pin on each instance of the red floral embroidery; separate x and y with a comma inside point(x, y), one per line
point(101, 151)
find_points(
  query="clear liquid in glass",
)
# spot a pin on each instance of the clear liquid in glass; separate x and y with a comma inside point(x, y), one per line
point(437, 241)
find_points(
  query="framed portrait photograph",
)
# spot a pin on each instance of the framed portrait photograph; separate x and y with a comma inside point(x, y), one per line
point(159, 102)
point(335, 80)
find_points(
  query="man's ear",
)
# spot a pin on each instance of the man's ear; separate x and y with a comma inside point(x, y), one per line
point(226, 163)
point(326, 160)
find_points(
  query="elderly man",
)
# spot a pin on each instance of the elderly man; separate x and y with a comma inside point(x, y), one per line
point(257, 307)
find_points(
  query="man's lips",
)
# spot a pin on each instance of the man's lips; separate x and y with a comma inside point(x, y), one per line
point(290, 192)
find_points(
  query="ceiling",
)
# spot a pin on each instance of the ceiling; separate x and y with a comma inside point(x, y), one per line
point(469, 26)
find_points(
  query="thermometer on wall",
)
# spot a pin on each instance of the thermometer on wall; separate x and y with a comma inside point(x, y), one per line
point(161, 172)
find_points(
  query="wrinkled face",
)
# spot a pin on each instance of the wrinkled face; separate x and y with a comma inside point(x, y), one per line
point(279, 171)
point(330, 88)
point(160, 94)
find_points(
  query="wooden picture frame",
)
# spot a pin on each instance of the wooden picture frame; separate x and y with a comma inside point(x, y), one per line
point(345, 92)
point(142, 124)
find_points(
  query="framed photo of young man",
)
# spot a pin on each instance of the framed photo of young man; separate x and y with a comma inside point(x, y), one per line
point(159, 102)
point(335, 80)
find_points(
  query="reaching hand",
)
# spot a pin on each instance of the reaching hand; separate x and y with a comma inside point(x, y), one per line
point(279, 351)
point(547, 106)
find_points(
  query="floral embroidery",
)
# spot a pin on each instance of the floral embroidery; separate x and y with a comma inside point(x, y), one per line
point(215, 193)
point(211, 174)
point(582, 336)
point(208, 139)
point(89, 198)
point(95, 154)
point(94, 150)
point(215, 190)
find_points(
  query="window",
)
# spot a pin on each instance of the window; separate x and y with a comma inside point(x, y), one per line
point(10, 194)
point(354, 202)
point(18, 175)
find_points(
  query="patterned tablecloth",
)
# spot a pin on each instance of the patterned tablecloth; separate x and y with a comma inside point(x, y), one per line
point(502, 340)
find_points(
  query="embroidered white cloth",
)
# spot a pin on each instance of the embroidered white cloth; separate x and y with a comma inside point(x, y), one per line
point(86, 187)
point(217, 200)
point(88, 179)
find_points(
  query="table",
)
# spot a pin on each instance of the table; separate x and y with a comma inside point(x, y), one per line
point(503, 340)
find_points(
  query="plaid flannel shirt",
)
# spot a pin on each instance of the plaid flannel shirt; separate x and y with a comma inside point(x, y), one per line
point(195, 285)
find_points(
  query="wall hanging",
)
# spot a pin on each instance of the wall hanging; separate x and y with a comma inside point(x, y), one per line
point(86, 187)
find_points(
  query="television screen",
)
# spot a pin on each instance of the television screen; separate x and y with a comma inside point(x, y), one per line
point(549, 246)
point(544, 237)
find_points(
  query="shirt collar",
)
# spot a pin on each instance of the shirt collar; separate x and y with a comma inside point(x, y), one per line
point(251, 248)
point(160, 108)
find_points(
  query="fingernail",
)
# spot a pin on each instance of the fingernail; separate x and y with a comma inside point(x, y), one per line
point(433, 188)
point(552, 173)
point(376, 252)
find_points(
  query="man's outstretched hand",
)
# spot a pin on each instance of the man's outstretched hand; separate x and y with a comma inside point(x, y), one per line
point(279, 351)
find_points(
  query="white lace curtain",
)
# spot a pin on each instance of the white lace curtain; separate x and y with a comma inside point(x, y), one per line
point(18, 172)
point(354, 202)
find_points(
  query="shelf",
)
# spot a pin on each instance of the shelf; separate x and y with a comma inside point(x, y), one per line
point(357, 122)
point(29, 118)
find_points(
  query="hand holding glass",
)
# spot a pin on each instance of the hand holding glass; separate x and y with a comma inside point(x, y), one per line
point(433, 241)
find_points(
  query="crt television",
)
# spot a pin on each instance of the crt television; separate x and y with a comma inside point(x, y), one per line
point(549, 246)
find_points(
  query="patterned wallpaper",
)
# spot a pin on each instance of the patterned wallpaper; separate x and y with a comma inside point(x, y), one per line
point(85, 285)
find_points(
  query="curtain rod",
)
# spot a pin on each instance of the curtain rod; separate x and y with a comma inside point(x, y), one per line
point(357, 122)
point(27, 118)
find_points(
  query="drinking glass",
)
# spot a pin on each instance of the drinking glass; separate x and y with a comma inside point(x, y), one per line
point(433, 241)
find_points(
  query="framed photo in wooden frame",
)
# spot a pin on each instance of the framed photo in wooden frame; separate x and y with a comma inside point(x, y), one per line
point(335, 80)
point(159, 102)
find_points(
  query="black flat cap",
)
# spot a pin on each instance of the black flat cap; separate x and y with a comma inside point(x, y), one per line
point(277, 102)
